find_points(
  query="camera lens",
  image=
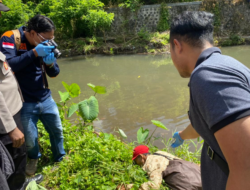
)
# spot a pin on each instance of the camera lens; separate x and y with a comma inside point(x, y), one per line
point(57, 53)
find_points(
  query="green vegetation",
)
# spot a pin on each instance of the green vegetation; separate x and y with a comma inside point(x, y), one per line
point(163, 24)
point(97, 160)
point(73, 18)
point(233, 40)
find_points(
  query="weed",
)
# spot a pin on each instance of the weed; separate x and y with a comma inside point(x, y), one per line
point(96, 160)
point(233, 40)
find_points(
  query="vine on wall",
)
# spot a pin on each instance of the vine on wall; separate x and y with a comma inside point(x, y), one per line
point(164, 22)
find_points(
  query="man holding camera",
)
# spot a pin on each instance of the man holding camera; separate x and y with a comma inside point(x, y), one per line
point(32, 58)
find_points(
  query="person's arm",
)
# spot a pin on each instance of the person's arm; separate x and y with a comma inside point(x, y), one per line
point(17, 63)
point(8, 48)
point(189, 133)
point(8, 125)
point(234, 141)
point(52, 70)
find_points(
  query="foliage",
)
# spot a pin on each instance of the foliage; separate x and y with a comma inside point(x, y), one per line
point(142, 135)
point(145, 2)
point(133, 5)
point(159, 124)
point(234, 39)
point(97, 89)
point(97, 160)
point(99, 20)
point(92, 162)
point(144, 34)
point(160, 39)
point(79, 18)
point(88, 108)
point(73, 89)
point(123, 135)
point(164, 22)
point(18, 15)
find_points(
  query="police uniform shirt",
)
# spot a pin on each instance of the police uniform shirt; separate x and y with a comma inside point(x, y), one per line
point(10, 98)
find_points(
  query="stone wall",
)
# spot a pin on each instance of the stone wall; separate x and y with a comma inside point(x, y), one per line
point(147, 17)
point(233, 17)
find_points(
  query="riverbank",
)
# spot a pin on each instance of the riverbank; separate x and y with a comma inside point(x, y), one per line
point(96, 160)
point(142, 43)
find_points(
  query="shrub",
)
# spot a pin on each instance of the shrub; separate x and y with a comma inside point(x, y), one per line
point(18, 15)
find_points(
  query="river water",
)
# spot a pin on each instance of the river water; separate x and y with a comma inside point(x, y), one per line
point(139, 88)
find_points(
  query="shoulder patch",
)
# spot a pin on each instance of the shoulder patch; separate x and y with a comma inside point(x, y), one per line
point(23, 46)
point(8, 34)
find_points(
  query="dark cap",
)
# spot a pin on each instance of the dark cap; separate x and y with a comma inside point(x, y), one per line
point(3, 7)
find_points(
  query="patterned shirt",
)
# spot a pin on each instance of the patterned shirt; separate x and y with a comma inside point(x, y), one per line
point(154, 166)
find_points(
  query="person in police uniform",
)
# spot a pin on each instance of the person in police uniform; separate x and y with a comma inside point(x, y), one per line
point(11, 130)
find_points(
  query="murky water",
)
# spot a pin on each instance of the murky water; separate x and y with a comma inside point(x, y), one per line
point(139, 88)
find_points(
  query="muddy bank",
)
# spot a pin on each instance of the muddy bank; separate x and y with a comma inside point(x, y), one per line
point(137, 45)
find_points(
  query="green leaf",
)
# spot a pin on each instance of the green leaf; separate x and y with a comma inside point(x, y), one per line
point(100, 89)
point(74, 89)
point(59, 105)
point(64, 96)
point(97, 89)
point(66, 86)
point(89, 109)
point(107, 136)
point(122, 133)
point(72, 110)
point(159, 124)
point(142, 135)
point(91, 86)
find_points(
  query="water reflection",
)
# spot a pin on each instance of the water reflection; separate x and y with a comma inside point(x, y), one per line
point(139, 88)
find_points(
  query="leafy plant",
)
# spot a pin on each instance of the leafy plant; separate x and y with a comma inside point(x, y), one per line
point(144, 34)
point(157, 124)
point(97, 160)
point(97, 89)
point(18, 15)
point(73, 89)
point(164, 22)
point(142, 135)
point(122, 134)
point(89, 109)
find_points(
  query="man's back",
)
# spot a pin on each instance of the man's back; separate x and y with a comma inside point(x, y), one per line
point(220, 95)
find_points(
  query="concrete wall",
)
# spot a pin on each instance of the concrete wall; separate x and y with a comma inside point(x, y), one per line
point(147, 17)
point(234, 17)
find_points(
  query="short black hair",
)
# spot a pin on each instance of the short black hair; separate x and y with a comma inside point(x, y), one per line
point(193, 27)
point(40, 24)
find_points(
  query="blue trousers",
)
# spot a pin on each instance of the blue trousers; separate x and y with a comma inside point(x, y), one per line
point(48, 114)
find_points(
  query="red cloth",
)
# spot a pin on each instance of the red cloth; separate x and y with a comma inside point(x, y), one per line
point(141, 149)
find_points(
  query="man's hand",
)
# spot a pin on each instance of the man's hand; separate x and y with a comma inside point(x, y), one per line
point(121, 187)
point(43, 50)
point(178, 140)
point(49, 59)
point(17, 137)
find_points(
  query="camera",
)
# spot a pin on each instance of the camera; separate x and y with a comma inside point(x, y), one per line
point(56, 51)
